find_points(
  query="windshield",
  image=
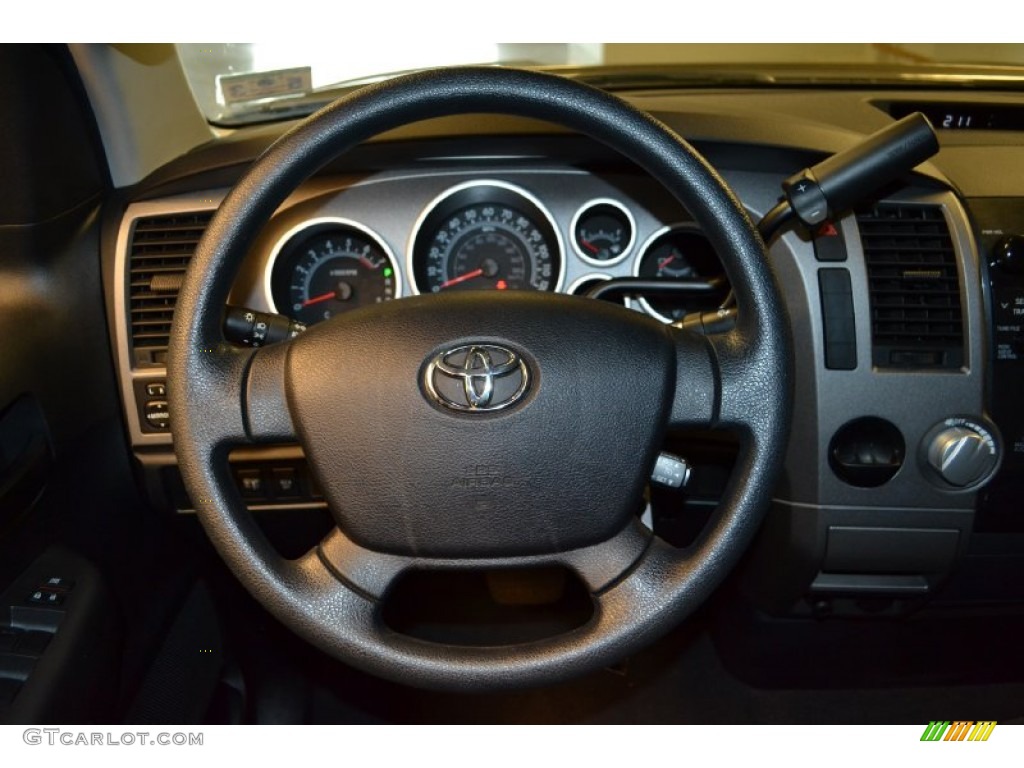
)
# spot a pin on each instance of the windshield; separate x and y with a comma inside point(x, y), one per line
point(237, 83)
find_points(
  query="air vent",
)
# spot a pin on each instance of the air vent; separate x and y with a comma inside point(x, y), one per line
point(160, 250)
point(913, 280)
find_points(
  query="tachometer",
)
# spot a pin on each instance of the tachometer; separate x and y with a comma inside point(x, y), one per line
point(328, 266)
point(486, 235)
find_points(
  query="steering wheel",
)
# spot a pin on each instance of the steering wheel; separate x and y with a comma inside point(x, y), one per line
point(559, 403)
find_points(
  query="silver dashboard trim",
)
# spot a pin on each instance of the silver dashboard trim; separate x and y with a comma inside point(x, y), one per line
point(575, 285)
point(127, 373)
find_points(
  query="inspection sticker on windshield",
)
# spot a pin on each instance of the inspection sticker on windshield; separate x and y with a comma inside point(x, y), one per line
point(250, 86)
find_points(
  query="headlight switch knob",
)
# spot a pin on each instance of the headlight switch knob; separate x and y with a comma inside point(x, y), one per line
point(962, 454)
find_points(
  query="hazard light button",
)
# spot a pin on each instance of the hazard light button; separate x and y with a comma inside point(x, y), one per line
point(829, 243)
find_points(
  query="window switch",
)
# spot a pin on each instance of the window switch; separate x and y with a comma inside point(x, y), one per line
point(8, 639)
point(44, 597)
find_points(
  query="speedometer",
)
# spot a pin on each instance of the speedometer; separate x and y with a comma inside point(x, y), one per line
point(486, 235)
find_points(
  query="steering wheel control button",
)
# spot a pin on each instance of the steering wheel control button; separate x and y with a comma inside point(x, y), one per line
point(670, 471)
point(477, 378)
point(867, 453)
point(961, 452)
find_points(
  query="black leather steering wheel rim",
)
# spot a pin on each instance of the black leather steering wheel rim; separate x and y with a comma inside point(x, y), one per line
point(220, 396)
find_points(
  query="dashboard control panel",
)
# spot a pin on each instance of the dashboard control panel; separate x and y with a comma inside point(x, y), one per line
point(1001, 223)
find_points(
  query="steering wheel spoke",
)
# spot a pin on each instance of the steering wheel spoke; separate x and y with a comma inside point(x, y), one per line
point(695, 403)
point(243, 391)
point(265, 405)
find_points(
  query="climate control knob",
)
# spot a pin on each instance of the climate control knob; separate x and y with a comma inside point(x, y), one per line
point(962, 453)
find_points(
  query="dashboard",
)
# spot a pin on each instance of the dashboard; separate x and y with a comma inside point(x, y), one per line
point(902, 353)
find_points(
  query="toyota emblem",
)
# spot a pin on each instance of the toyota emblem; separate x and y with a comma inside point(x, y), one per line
point(477, 378)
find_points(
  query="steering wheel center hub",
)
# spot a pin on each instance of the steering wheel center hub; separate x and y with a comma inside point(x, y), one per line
point(431, 440)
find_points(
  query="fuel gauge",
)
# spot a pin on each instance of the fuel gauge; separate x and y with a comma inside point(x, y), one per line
point(603, 232)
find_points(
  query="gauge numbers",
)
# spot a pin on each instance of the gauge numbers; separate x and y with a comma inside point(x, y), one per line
point(329, 267)
point(486, 236)
point(603, 232)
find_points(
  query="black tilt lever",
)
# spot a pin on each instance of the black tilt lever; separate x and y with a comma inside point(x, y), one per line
point(846, 179)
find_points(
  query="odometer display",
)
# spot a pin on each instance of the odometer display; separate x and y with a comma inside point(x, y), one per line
point(486, 237)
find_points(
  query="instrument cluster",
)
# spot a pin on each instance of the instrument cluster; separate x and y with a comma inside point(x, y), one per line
point(486, 234)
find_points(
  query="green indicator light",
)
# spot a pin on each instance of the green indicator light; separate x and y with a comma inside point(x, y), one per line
point(388, 272)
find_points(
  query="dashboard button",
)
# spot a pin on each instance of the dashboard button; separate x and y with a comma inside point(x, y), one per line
point(285, 483)
point(829, 243)
point(157, 415)
point(57, 583)
point(250, 482)
point(838, 319)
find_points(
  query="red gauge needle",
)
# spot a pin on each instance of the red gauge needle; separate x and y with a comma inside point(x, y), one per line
point(462, 278)
point(589, 246)
point(666, 261)
point(317, 299)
